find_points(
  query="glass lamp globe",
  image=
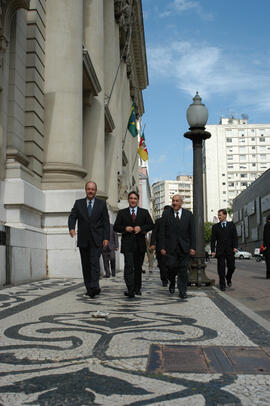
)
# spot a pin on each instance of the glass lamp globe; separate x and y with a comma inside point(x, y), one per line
point(197, 113)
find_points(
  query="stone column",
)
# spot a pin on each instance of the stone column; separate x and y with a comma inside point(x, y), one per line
point(63, 94)
point(93, 121)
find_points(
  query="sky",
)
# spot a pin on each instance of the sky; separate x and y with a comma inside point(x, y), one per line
point(220, 48)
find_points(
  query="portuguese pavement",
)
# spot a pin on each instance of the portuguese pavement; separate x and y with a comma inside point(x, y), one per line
point(59, 348)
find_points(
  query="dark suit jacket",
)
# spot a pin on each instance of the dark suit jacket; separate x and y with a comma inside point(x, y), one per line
point(131, 242)
point(224, 240)
point(155, 239)
point(266, 235)
point(97, 226)
point(173, 233)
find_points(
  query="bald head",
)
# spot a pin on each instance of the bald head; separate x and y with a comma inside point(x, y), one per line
point(177, 202)
point(90, 189)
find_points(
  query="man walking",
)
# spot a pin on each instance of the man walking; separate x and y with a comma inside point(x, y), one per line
point(133, 223)
point(108, 253)
point(93, 234)
point(224, 245)
point(266, 245)
point(155, 245)
point(177, 242)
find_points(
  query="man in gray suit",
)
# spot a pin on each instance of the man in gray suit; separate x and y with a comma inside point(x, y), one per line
point(108, 253)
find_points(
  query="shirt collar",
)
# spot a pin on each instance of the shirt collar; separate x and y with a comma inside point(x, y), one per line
point(135, 209)
point(178, 211)
point(92, 201)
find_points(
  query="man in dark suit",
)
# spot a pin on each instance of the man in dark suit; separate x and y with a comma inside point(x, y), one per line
point(177, 242)
point(108, 253)
point(93, 234)
point(155, 245)
point(133, 223)
point(266, 245)
point(224, 245)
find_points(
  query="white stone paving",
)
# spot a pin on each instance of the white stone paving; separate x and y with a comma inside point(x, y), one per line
point(59, 336)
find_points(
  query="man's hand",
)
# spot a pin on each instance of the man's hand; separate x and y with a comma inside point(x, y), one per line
point(192, 252)
point(137, 229)
point(163, 252)
point(152, 247)
point(213, 254)
point(72, 233)
point(235, 250)
point(129, 229)
point(105, 243)
point(264, 249)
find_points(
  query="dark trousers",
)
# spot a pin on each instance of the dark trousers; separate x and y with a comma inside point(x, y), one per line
point(267, 262)
point(161, 260)
point(109, 259)
point(90, 266)
point(133, 270)
point(181, 271)
point(221, 265)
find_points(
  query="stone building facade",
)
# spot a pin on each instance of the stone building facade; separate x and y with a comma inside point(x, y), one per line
point(69, 72)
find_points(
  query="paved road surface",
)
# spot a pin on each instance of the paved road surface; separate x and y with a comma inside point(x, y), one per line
point(249, 285)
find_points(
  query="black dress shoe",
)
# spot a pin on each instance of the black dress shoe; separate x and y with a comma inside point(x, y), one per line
point(171, 288)
point(129, 294)
point(229, 284)
point(107, 276)
point(222, 288)
point(183, 295)
point(138, 292)
point(164, 283)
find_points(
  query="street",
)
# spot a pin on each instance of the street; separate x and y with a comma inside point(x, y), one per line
point(249, 285)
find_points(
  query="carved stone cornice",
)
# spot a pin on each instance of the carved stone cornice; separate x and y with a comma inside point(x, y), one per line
point(90, 79)
point(129, 16)
point(109, 123)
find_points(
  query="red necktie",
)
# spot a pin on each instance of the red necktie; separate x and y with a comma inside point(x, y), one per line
point(133, 215)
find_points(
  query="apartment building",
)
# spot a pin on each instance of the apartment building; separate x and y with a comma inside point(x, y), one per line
point(164, 190)
point(236, 154)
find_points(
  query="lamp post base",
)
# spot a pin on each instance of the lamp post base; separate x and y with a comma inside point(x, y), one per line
point(197, 275)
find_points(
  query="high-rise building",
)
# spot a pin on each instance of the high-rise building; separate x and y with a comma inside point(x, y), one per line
point(164, 190)
point(236, 154)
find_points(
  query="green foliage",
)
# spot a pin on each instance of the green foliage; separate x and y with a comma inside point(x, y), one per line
point(207, 232)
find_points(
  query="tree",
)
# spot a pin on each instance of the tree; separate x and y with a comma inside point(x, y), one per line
point(207, 232)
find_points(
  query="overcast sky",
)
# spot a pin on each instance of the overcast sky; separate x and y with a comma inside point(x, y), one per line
point(220, 48)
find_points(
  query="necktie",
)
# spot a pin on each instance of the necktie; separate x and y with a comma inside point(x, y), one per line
point(89, 208)
point(177, 216)
point(133, 215)
point(223, 225)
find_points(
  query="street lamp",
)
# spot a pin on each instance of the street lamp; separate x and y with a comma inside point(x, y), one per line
point(197, 115)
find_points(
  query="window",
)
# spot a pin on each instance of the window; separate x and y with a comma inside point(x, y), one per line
point(253, 156)
point(242, 149)
point(223, 174)
point(224, 193)
point(231, 184)
point(243, 183)
point(230, 158)
point(253, 164)
point(230, 166)
point(262, 139)
point(242, 157)
point(243, 175)
point(253, 147)
point(223, 183)
point(263, 157)
point(253, 139)
point(243, 135)
point(262, 135)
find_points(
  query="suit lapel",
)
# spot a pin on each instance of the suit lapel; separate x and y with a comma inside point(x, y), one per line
point(95, 207)
point(84, 208)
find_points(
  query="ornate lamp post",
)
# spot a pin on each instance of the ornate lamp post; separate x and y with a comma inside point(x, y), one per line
point(197, 115)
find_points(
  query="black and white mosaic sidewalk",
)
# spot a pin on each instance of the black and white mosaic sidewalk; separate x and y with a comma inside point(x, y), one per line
point(151, 350)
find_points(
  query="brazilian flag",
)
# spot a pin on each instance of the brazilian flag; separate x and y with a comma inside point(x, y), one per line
point(132, 122)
